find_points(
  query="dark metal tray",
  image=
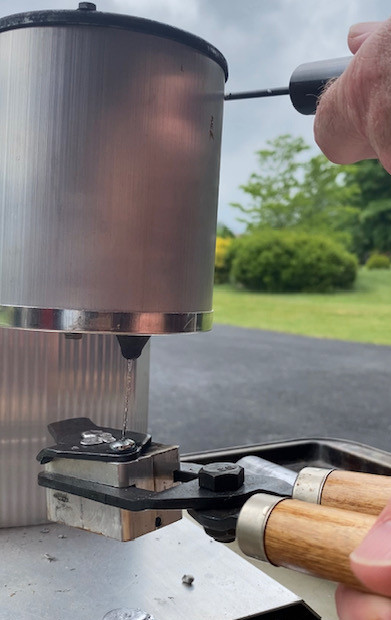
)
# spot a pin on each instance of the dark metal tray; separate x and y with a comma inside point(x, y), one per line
point(299, 453)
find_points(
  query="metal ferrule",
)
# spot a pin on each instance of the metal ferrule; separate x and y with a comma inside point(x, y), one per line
point(82, 321)
point(250, 530)
point(309, 484)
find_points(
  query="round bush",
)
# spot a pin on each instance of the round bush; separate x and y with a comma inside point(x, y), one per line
point(378, 261)
point(284, 261)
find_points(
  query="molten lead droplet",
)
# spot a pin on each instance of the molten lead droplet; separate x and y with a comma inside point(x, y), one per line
point(91, 440)
point(93, 432)
point(123, 445)
point(107, 437)
point(95, 437)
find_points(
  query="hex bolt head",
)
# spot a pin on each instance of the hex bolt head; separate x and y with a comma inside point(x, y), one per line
point(221, 477)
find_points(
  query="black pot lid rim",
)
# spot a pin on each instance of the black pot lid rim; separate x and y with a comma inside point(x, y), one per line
point(112, 20)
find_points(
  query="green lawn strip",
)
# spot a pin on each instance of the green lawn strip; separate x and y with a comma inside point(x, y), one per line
point(362, 315)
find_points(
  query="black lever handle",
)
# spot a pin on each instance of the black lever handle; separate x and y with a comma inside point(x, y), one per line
point(309, 80)
point(306, 84)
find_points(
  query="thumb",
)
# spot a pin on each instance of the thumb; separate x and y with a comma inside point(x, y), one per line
point(371, 561)
point(359, 33)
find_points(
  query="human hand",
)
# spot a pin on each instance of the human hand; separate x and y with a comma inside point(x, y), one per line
point(371, 563)
point(353, 118)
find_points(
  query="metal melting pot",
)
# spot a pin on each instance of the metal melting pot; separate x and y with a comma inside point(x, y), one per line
point(110, 141)
point(110, 133)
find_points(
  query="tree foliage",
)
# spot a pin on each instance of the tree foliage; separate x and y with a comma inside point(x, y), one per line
point(373, 226)
point(289, 191)
point(293, 191)
point(224, 231)
point(273, 188)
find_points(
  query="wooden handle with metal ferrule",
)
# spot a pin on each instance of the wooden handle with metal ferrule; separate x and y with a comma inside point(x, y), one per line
point(356, 491)
point(313, 539)
point(350, 490)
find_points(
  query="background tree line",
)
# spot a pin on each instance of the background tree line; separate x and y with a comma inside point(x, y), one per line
point(293, 197)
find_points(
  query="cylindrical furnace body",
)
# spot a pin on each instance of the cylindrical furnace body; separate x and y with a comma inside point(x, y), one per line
point(110, 134)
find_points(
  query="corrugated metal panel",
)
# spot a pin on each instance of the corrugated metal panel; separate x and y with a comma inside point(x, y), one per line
point(43, 378)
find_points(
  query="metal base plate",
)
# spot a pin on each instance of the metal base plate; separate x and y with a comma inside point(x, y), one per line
point(88, 576)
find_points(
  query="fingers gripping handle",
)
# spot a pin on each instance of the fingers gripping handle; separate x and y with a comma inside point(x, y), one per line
point(313, 539)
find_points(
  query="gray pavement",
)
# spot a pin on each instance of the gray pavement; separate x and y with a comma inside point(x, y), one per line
point(236, 386)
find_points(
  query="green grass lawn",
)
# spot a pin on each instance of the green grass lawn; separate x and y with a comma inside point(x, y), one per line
point(362, 314)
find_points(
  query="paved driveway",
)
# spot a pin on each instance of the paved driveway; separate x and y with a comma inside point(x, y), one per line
point(236, 386)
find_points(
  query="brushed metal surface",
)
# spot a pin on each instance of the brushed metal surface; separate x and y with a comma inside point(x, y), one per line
point(44, 378)
point(91, 576)
point(109, 165)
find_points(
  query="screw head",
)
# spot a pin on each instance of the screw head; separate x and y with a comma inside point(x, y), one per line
point(221, 477)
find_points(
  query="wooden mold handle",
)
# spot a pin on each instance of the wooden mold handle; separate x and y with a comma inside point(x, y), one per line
point(315, 539)
point(307, 537)
point(350, 490)
point(368, 493)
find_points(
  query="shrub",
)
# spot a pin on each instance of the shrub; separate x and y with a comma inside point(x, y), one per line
point(378, 261)
point(222, 264)
point(287, 261)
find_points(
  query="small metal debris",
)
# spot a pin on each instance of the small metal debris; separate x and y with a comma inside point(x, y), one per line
point(61, 536)
point(45, 530)
point(49, 558)
point(188, 580)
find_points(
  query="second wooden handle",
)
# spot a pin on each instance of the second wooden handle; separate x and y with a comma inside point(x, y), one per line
point(356, 491)
point(313, 539)
point(350, 490)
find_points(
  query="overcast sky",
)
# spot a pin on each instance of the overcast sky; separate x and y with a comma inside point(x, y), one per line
point(263, 42)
